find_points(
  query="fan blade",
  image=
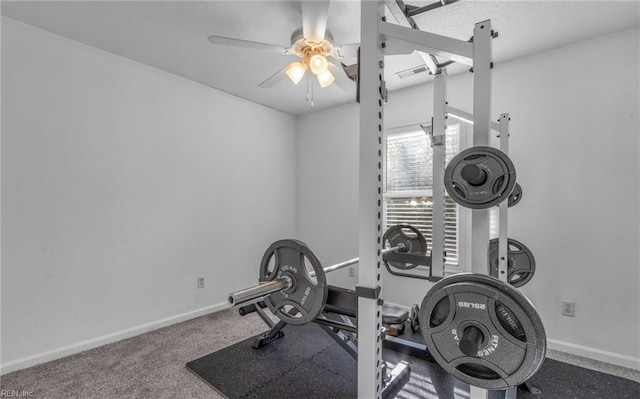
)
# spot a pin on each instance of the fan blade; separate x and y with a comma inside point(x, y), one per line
point(341, 78)
point(314, 19)
point(351, 71)
point(274, 79)
point(227, 41)
point(346, 51)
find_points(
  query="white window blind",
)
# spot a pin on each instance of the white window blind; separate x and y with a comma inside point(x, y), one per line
point(409, 183)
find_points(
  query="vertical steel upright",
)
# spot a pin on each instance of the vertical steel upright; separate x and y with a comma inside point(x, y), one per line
point(438, 140)
point(482, 64)
point(503, 226)
point(371, 76)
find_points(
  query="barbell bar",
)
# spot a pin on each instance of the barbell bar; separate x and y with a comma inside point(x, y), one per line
point(259, 290)
point(342, 265)
point(285, 282)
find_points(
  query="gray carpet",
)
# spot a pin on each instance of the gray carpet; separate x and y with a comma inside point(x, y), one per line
point(151, 365)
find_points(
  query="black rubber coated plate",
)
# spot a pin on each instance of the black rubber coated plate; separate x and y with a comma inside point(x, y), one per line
point(521, 265)
point(480, 177)
point(304, 301)
point(515, 196)
point(409, 236)
point(513, 340)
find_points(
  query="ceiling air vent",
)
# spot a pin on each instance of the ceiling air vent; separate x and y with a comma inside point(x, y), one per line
point(412, 71)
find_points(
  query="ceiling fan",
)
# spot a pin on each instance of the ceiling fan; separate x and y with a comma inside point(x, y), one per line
point(313, 43)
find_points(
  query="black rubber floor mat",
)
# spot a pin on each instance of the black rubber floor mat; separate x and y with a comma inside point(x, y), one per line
point(307, 363)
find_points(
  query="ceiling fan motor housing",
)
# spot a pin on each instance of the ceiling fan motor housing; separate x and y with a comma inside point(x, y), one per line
point(305, 49)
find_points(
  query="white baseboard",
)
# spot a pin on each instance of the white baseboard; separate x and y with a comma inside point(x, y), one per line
point(29, 361)
point(595, 354)
point(68, 350)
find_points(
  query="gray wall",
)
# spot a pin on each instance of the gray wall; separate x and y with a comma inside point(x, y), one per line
point(120, 185)
point(575, 145)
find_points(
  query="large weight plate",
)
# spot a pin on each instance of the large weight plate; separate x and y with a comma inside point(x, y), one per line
point(412, 239)
point(480, 177)
point(513, 340)
point(304, 301)
point(521, 265)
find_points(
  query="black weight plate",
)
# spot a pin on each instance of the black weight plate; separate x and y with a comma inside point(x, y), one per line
point(521, 265)
point(480, 177)
point(409, 236)
point(515, 196)
point(304, 301)
point(512, 342)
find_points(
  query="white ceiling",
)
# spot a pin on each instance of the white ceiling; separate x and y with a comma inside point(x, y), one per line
point(172, 36)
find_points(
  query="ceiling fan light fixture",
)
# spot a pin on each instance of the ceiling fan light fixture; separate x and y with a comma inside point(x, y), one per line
point(326, 78)
point(295, 71)
point(318, 64)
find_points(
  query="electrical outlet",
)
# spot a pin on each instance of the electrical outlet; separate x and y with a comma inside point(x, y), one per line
point(352, 272)
point(200, 282)
point(569, 308)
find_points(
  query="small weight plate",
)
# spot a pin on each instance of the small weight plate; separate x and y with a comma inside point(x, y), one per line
point(508, 332)
point(306, 298)
point(480, 177)
point(515, 196)
point(521, 265)
point(407, 235)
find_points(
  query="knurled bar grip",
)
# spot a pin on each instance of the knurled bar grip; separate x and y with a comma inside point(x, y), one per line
point(269, 287)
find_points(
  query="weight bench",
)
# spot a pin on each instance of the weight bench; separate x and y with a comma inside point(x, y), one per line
point(344, 301)
point(342, 304)
point(340, 301)
point(394, 318)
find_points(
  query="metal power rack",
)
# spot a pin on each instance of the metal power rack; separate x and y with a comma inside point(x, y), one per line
point(380, 38)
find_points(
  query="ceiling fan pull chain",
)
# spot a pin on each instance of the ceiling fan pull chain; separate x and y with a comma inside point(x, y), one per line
point(312, 94)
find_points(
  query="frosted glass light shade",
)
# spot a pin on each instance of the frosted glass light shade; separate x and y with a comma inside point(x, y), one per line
point(318, 64)
point(295, 71)
point(325, 78)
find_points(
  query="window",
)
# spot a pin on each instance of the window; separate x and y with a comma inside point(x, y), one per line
point(408, 185)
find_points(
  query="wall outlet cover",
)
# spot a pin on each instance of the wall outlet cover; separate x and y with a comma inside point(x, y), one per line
point(569, 308)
